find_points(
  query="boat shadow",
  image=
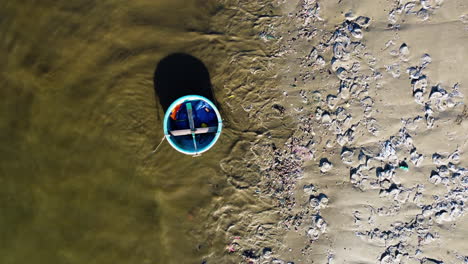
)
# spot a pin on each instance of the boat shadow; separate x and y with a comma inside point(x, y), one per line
point(181, 74)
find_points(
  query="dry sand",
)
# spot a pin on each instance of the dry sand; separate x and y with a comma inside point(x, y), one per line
point(375, 171)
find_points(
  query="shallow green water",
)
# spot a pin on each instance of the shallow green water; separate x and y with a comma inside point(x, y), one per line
point(79, 120)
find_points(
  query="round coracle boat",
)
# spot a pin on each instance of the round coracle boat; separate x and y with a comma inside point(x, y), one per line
point(192, 124)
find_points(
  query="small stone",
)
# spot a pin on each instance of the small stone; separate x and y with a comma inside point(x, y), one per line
point(362, 21)
point(325, 165)
point(308, 188)
point(326, 118)
point(347, 156)
point(425, 60)
point(404, 52)
point(332, 101)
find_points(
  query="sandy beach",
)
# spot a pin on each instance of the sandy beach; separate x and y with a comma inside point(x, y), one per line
point(376, 167)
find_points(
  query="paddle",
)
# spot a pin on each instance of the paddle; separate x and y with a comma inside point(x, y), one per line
point(192, 124)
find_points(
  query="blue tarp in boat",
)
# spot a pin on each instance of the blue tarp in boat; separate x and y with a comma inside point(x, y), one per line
point(203, 116)
point(192, 124)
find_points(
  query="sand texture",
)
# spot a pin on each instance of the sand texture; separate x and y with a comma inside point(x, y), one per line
point(378, 89)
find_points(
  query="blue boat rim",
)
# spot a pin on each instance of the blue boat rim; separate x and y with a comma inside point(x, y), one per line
point(170, 137)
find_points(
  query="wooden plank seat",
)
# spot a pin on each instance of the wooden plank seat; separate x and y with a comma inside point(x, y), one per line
point(200, 130)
